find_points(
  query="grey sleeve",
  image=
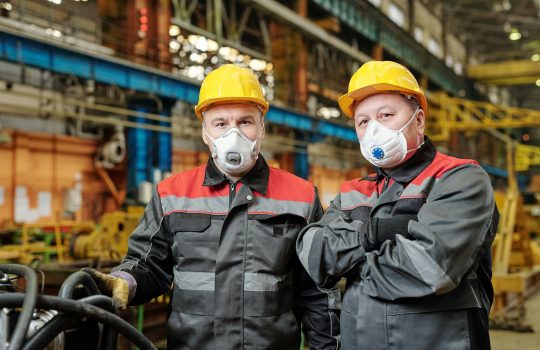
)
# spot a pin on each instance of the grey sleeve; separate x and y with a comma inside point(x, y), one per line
point(452, 229)
point(149, 259)
point(319, 310)
point(331, 247)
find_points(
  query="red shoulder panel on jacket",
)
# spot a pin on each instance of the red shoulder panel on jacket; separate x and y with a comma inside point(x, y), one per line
point(285, 186)
point(363, 186)
point(441, 165)
point(189, 184)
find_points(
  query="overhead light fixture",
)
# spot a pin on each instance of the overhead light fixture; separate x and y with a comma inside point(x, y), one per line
point(501, 6)
point(174, 30)
point(538, 82)
point(535, 57)
point(257, 65)
point(6, 6)
point(514, 35)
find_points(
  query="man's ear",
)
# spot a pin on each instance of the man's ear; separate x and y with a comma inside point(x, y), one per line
point(421, 121)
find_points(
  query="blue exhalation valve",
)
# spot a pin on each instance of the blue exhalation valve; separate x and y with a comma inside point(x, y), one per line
point(378, 153)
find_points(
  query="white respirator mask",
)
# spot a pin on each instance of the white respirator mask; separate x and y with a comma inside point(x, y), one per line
point(234, 152)
point(384, 147)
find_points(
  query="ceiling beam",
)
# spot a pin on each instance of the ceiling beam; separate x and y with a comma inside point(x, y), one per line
point(507, 70)
point(512, 81)
point(478, 13)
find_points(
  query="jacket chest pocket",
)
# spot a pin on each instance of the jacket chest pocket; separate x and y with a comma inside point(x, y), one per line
point(196, 239)
point(271, 242)
point(408, 205)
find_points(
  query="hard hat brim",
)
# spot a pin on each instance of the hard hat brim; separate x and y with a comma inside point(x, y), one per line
point(200, 108)
point(347, 100)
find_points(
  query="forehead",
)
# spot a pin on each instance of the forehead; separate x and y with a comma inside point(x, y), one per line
point(236, 110)
point(374, 102)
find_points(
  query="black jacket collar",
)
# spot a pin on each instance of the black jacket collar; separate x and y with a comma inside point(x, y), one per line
point(407, 171)
point(256, 178)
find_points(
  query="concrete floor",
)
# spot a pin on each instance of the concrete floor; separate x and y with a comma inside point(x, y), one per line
point(505, 340)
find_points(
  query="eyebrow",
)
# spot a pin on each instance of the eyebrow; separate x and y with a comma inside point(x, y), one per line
point(246, 116)
point(378, 110)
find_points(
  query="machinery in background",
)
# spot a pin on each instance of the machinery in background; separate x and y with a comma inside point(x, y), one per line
point(36, 321)
point(33, 243)
point(515, 275)
point(109, 240)
point(67, 241)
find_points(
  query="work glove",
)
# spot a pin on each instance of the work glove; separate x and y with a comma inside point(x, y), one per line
point(109, 285)
point(376, 231)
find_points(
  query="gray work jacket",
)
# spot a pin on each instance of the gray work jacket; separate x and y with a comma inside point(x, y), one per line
point(229, 248)
point(428, 287)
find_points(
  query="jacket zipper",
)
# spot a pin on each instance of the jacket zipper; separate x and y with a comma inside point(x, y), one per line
point(385, 185)
point(232, 192)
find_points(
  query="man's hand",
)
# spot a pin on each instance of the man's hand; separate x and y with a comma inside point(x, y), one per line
point(379, 230)
point(113, 286)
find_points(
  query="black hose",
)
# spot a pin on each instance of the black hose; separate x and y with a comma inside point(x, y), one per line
point(109, 339)
point(67, 289)
point(79, 308)
point(28, 302)
point(63, 321)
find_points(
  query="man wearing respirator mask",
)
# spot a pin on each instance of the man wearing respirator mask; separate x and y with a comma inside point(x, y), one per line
point(412, 239)
point(225, 234)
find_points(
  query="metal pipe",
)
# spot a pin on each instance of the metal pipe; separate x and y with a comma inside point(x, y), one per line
point(16, 109)
point(56, 98)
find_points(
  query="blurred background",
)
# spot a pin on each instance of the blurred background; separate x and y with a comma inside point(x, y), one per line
point(96, 107)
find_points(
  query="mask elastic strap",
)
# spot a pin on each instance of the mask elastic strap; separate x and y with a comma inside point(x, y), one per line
point(410, 120)
point(414, 149)
point(206, 133)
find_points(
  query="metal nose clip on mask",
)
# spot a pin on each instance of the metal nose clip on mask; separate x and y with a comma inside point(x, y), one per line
point(384, 147)
point(233, 151)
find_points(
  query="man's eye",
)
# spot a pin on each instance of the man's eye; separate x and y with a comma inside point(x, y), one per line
point(362, 122)
point(219, 125)
point(385, 115)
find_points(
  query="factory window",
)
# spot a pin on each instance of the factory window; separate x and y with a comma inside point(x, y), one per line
point(395, 13)
point(419, 34)
point(434, 47)
point(375, 2)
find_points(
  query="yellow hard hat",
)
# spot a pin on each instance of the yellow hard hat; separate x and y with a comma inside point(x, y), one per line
point(230, 84)
point(379, 77)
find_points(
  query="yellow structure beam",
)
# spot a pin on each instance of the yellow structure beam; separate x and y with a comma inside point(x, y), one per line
point(509, 72)
point(455, 114)
point(513, 80)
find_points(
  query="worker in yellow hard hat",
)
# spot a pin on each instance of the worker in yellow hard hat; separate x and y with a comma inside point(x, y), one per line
point(412, 239)
point(224, 235)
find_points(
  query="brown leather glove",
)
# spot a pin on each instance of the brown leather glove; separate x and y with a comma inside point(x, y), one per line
point(109, 285)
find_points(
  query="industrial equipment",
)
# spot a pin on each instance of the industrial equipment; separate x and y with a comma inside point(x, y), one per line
point(515, 274)
point(39, 241)
point(42, 320)
point(109, 240)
